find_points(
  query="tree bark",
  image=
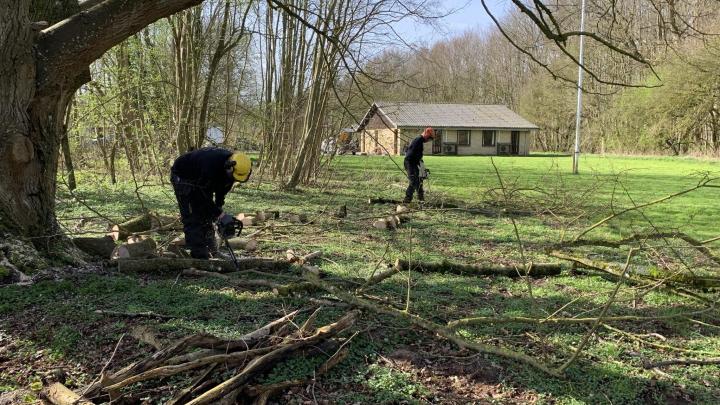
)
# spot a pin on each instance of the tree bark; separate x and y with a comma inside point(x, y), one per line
point(40, 72)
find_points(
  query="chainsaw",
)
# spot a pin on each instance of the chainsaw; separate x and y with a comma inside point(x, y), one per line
point(227, 230)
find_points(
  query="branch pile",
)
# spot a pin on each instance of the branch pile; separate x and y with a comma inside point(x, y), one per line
point(211, 360)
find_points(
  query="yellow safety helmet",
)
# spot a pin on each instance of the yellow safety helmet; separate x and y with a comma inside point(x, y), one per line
point(242, 167)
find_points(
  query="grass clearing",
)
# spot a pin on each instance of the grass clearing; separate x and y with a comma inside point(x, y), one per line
point(53, 324)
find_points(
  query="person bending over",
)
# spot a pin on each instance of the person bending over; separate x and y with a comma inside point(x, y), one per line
point(201, 179)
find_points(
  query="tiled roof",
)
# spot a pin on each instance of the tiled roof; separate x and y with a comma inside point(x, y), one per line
point(443, 115)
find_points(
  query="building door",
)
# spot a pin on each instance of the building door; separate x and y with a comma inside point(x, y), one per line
point(437, 142)
point(515, 143)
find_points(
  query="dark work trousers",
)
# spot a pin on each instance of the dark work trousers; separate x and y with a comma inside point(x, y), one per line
point(197, 218)
point(413, 173)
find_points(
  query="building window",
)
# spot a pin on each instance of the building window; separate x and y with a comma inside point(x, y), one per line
point(463, 137)
point(488, 138)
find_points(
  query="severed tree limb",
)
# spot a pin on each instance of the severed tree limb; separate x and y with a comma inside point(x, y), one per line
point(538, 269)
point(58, 394)
point(482, 320)
point(148, 314)
point(637, 338)
point(142, 365)
point(182, 396)
point(172, 265)
point(264, 392)
point(261, 363)
point(694, 243)
point(607, 271)
point(703, 183)
point(166, 371)
point(433, 327)
point(279, 289)
point(683, 362)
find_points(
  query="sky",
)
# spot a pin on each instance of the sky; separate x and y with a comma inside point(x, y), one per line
point(468, 14)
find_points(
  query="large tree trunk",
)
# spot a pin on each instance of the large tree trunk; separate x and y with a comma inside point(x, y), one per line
point(40, 71)
point(30, 132)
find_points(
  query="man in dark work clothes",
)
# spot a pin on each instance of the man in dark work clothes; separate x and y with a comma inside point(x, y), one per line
point(201, 179)
point(413, 157)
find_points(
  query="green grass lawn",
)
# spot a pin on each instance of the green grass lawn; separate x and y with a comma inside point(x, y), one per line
point(53, 323)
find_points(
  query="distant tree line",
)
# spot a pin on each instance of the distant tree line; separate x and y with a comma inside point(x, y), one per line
point(651, 85)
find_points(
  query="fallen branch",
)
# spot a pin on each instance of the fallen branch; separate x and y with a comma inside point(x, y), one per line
point(637, 279)
point(694, 243)
point(536, 269)
point(683, 362)
point(279, 289)
point(261, 363)
point(264, 392)
point(432, 327)
point(58, 394)
point(173, 265)
point(703, 183)
point(482, 320)
point(148, 314)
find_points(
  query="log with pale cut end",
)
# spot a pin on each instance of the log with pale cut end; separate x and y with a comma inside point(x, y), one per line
point(298, 218)
point(248, 221)
point(241, 243)
point(487, 269)
point(168, 265)
point(136, 238)
point(98, 247)
point(381, 224)
point(293, 257)
point(139, 223)
point(59, 394)
point(142, 249)
point(401, 209)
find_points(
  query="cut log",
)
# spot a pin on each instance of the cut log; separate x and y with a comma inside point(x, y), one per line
point(381, 224)
point(293, 257)
point(536, 270)
point(143, 249)
point(167, 265)
point(248, 221)
point(143, 223)
point(241, 243)
point(298, 218)
point(59, 394)
point(260, 216)
point(97, 247)
point(402, 209)
point(136, 224)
